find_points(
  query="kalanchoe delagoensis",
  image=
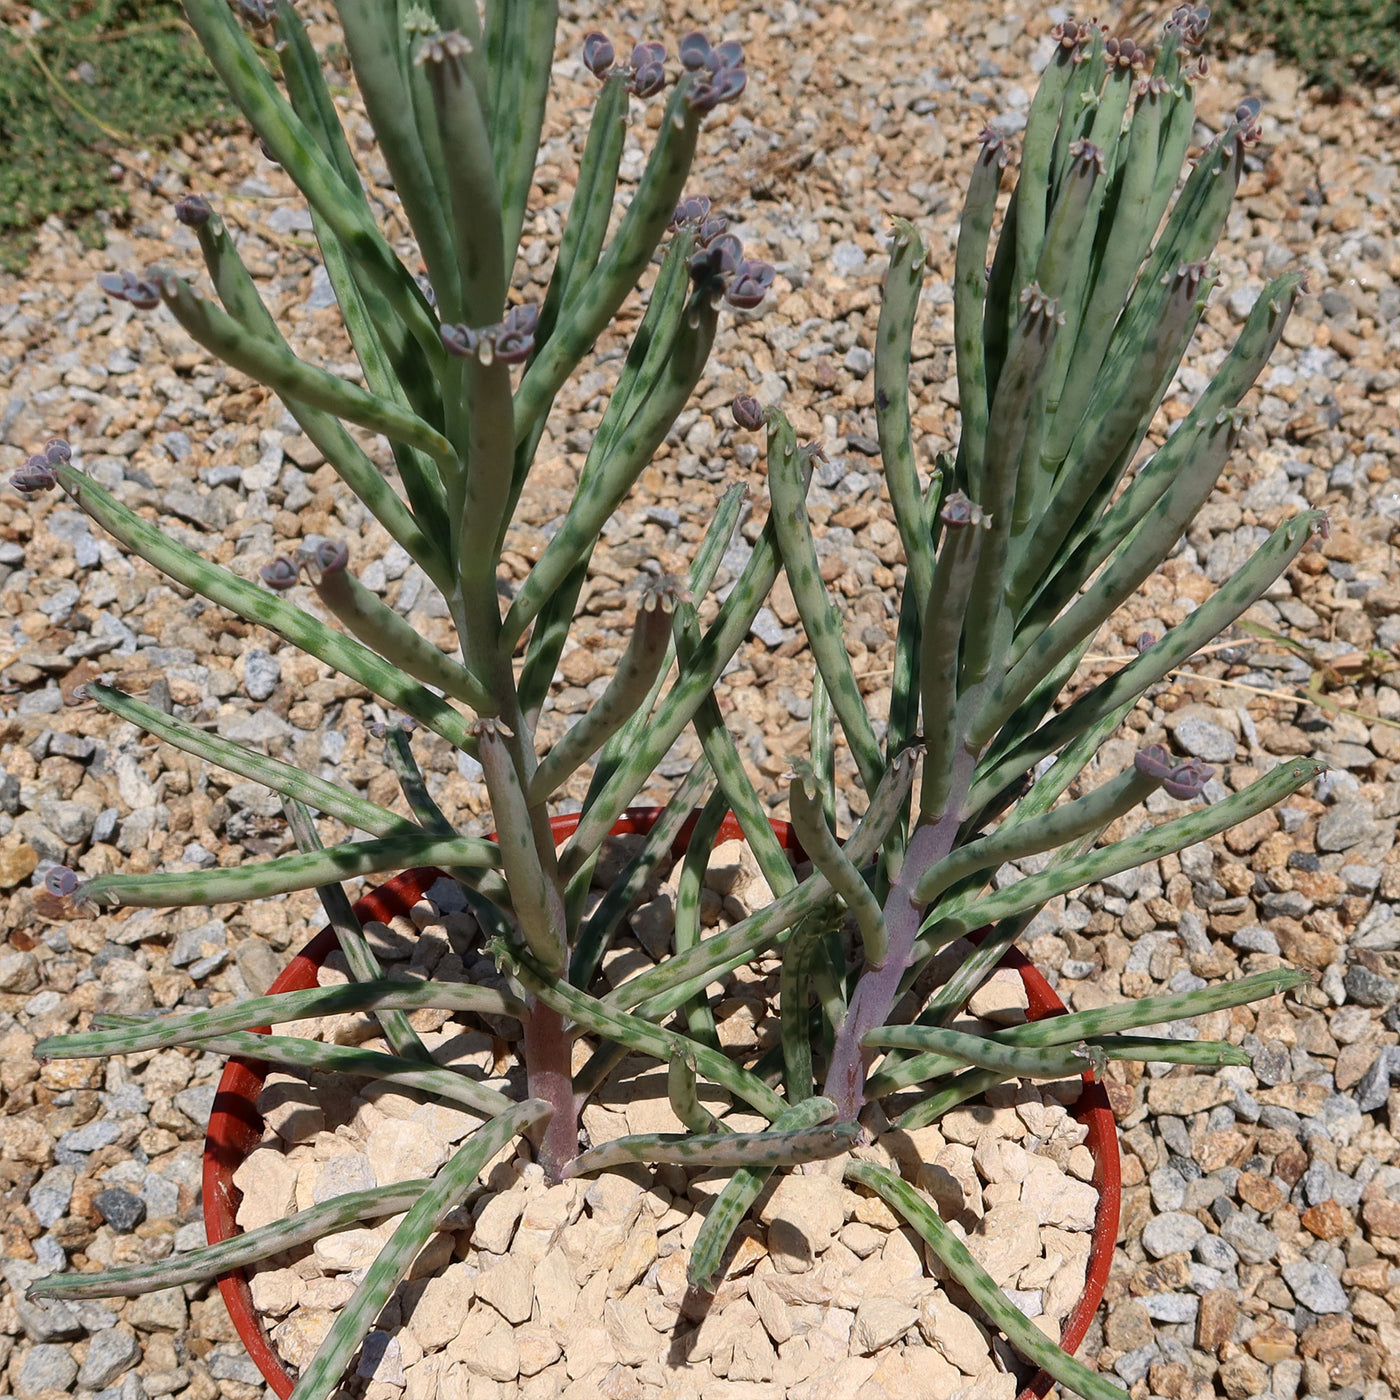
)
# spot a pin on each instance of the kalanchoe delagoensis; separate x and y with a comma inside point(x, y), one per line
point(38, 474)
point(61, 881)
point(598, 54)
point(193, 211)
point(1069, 320)
point(1188, 780)
point(749, 284)
point(142, 292)
point(647, 69)
point(281, 574)
point(748, 412)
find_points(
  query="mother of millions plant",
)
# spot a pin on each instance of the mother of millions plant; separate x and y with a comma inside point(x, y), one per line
point(1018, 550)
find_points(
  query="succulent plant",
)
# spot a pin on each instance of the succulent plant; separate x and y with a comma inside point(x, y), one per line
point(1018, 549)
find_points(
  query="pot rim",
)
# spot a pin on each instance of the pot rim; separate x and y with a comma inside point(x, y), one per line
point(235, 1124)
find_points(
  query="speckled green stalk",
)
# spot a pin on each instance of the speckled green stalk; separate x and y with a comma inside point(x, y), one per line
point(639, 666)
point(597, 1018)
point(1207, 622)
point(530, 872)
point(313, 1223)
point(423, 1218)
point(390, 635)
point(339, 802)
point(271, 363)
point(824, 851)
point(968, 912)
point(788, 478)
point(284, 874)
point(753, 1150)
point(183, 1028)
point(1055, 828)
point(393, 1070)
point(258, 605)
point(740, 1192)
point(1020, 1331)
point(893, 339)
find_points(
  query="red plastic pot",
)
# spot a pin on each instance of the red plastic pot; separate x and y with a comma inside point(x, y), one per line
point(236, 1126)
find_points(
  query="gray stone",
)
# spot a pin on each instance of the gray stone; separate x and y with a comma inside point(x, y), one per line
point(190, 946)
point(50, 1195)
point(261, 672)
point(164, 1310)
point(1373, 1091)
point(1173, 1232)
point(1203, 738)
point(1255, 938)
point(101, 1132)
point(1368, 988)
point(1344, 826)
point(1133, 1365)
point(109, 1354)
point(122, 1210)
point(1168, 1188)
point(196, 1102)
point(47, 1367)
point(1254, 1242)
point(322, 296)
point(1315, 1287)
point(1171, 1307)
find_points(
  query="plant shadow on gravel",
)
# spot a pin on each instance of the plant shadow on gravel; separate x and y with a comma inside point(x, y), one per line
point(98, 75)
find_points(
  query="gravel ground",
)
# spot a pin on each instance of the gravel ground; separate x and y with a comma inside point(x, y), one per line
point(1260, 1251)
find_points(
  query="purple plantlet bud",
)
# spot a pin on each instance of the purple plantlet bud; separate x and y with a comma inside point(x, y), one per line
point(57, 450)
point(748, 412)
point(724, 85)
point(514, 347)
point(691, 210)
point(750, 285)
point(1084, 154)
point(193, 211)
point(1189, 780)
point(650, 52)
point(729, 249)
point(707, 270)
point(426, 287)
point(729, 54)
point(443, 46)
point(61, 881)
point(695, 51)
point(280, 575)
point(598, 54)
point(458, 340)
point(960, 511)
point(648, 79)
point(34, 476)
point(1324, 527)
point(993, 148)
point(711, 229)
point(1155, 762)
point(1146, 641)
point(664, 593)
point(326, 557)
point(256, 11)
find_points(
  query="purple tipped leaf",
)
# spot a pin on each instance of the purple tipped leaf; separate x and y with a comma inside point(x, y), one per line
point(598, 54)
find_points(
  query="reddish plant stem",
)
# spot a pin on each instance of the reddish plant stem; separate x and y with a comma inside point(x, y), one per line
point(877, 989)
point(548, 1076)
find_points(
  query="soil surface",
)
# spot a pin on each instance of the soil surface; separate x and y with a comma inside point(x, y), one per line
point(1260, 1250)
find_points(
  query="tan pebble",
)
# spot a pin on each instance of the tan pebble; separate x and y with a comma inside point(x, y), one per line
point(268, 1181)
point(771, 1309)
point(423, 1380)
point(381, 1359)
point(1001, 999)
point(1080, 1163)
point(629, 1331)
point(406, 1151)
point(1005, 1241)
point(638, 1254)
point(952, 1181)
point(538, 1348)
point(991, 1385)
point(556, 1291)
point(437, 1316)
point(275, 1291)
point(290, 1107)
point(1058, 1199)
point(496, 1221)
point(753, 1360)
point(957, 1337)
point(349, 1249)
point(509, 1287)
point(861, 1239)
point(913, 1147)
point(881, 1321)
point(331, 1293)
point(298, 1338)
point(585, 1347)
point(871, 1210)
